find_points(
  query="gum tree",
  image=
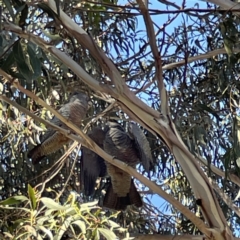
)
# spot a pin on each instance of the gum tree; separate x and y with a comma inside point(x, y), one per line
point(181, 87)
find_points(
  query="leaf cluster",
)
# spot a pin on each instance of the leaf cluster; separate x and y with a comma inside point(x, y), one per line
point(45, 218)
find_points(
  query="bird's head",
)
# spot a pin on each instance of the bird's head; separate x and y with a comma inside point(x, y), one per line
point(78, 96)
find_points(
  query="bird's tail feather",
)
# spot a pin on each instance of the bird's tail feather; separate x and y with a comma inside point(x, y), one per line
point(112, 201)
point(35, 154)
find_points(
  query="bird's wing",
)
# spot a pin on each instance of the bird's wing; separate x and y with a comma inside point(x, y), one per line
point(122, 191)
point(50, 145)
point(65, 112)
point(52, 140)
point(142, 145)
point(118, 144)
point(92, 167)
point(73, 112)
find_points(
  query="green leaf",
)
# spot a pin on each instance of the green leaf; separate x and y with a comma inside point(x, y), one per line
point(49, 203)
point(46, 231)
point(41, 221)
point(109, 235)
point(71, 211)
point(35, 62)
point(14, 200)
point(96, 234)
point(49, 212)
point(113, 224)
point(63, 228)
point(9, 7)
point(22, 65)
point(17, 223)
point(198, 44)
point(81, 225)
point(87, 206)
point(31, 194)
point(8, 62)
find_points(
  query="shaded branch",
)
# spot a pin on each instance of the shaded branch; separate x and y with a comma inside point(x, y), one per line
point(196, 58)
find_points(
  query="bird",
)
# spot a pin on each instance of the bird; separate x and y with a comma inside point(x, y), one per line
point(74, 111)
point(131, 148)
point(92, 165)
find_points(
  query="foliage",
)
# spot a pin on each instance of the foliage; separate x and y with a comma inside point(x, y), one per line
point(44, 218)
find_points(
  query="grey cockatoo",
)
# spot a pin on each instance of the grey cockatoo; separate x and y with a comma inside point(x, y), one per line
point(74, 111)
point(131, 148)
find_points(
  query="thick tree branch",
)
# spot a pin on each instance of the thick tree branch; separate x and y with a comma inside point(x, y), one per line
point(226, 5)
point(156, 54)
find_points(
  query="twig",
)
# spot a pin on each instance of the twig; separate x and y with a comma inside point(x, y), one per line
point(54, 173)
point(157, 56)
point(70, 175)
point(224, 197)
point(197, 58)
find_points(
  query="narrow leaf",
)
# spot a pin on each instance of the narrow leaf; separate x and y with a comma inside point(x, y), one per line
point(34, 60)
point(81, 225)
point(31, 194)
point(47, 232)
point(49, 203)
point(20, 59)
point(109, 235)
point(8, 62)
point(14, 200)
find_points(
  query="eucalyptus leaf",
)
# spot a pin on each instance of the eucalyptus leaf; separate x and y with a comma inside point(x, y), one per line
point(14, 200)
point(51, 204)
point(35, 62)
point(109, 235)
point(31, 194)
point(47, 232)
point(21, 61)
point(81, 225)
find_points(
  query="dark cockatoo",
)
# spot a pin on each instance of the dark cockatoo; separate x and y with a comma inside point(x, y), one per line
point(74, 111)
point(131, 148)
